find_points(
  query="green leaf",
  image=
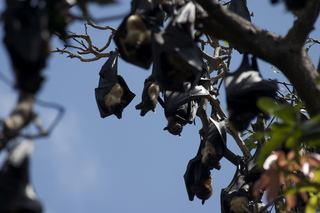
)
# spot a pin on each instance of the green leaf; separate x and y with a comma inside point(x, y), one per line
point(249, 141)
point(285, 112)
point(226, 43)
point(312, 204)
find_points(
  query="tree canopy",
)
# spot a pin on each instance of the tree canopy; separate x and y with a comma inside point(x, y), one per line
point(202, 56)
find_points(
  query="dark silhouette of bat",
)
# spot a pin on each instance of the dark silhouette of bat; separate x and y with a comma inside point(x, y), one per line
point(243, 88)
point(16, 191)
point(198, 179)
point(180, 116)
point(211, 149)
point(240, 8)
point(134, 35)
point(237, 197)
point(177, 58)
point(214, 144)
point(112, 94)
point(181, 107)
point(293, 5)
point(150, 96)
point(27, 41)
point(175, 99)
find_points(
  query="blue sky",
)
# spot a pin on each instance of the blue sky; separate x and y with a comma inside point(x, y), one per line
point(90, 164)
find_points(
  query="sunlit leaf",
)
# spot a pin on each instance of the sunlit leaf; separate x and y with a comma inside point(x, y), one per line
point(285, 112)
point(312, 204)
point(250, 141)
point(225, 42)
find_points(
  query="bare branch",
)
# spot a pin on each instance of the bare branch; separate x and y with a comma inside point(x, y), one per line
point(19, 118)
point(86, 45)
point(239, 141)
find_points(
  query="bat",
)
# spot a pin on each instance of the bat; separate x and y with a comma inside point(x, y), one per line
point(180, 116)
point(181, 107)
point(198, 179)
point(176, 57)
point(27, 42)
point(134, 35)
point(293, 5)
point(240, 8)
point(174, 99)
point(243, 88)
point(214, 144)
point(150, 96)
point(112, 94)
point(211, 149)
point(236, 197)
point(16, 191)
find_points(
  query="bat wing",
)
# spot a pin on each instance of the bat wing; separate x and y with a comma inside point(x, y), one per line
point(108, 78)
point(243, 88)
point(15, 182)
point(109, 70)
point(174, 99)
point(177, 58)
point(27, 42)
point(150, 95)
point(128, 95)
point(198, 178)
point(240, 8)
point(151, 16)
point(190, 175)
point(216, 136)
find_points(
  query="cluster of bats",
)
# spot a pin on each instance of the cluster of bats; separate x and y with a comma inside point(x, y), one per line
point(178, 72)
point(181, 75)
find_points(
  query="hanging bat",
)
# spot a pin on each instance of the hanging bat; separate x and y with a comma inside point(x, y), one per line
point(243, 88)
point(112, 94)
point(16, 191)
point(181, 107)
point(214, 144)
point(293, 5)
point(174, 99)
point(150, 96)
point(134, 35)
point(180, 116)
point(236, 197)
point(198, 180)
point(240, 8)
point(177, 58)
point(27, 41)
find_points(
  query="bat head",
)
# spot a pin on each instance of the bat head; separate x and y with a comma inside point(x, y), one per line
point(173, 126)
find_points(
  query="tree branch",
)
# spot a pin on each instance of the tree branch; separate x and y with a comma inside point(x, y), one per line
point(19, 118)
point(283, 52)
